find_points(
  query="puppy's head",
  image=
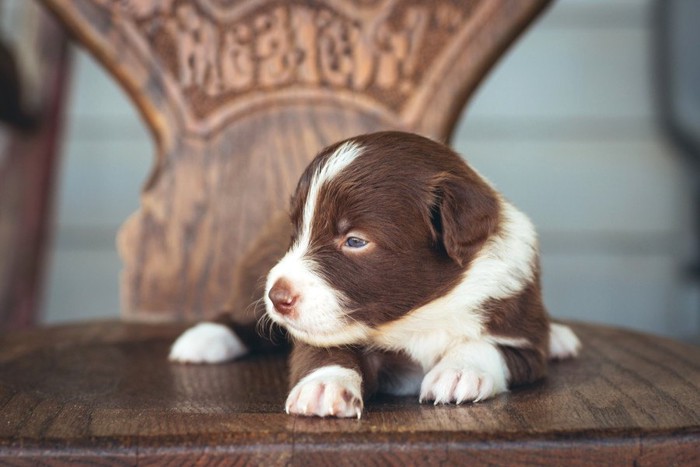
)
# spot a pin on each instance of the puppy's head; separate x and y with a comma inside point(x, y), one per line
point(383, 223)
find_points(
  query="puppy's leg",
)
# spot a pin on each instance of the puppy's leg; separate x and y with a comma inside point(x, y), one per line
point(207, 342)
point(525, 364)
point(468, 372)
point(231, 335)
point(235, 333)
point(563, 343)
point(225, 339)
point(329, 381)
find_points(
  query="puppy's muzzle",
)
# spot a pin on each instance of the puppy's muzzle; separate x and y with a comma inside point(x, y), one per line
point(283, 297)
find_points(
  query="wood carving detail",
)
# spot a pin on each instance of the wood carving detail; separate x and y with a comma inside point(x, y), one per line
point(216, 52)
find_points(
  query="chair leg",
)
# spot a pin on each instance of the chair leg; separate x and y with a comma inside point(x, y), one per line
point(28, 163)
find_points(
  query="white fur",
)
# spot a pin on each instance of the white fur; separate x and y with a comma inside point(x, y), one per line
point(328, 391)
point(341, 158)
point(471, 371)
point(207, 343)
point(319, 317)
point(563, 343)
point(502, 269)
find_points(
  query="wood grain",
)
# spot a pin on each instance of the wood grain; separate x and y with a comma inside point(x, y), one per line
point(104, 393)
point(241, 95)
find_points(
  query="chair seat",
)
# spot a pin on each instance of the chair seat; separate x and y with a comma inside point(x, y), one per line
point(105, 392)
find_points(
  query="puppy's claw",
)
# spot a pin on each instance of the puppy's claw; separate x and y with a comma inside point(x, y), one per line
point(329, 391)
point(449, 385)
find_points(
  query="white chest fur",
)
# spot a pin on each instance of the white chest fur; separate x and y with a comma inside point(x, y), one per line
point(501, 270)
point(426, 334)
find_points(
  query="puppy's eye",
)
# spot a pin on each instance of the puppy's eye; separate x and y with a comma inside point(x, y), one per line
point(355, 242)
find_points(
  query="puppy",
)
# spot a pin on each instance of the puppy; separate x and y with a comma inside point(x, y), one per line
point(407, 274)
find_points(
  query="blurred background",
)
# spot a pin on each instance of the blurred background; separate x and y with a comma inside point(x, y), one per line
point(574, 125)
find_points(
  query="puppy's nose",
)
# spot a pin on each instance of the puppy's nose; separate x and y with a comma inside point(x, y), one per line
point(283, 297)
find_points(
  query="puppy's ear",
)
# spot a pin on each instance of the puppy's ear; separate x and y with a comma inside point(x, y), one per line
point(464, 213)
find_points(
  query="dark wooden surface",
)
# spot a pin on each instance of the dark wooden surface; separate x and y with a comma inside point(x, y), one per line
point(240, 95)
point(104, 392)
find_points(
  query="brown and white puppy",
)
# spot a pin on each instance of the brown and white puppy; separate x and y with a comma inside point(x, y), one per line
point(407, 274)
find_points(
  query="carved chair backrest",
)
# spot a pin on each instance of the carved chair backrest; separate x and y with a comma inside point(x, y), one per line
point(240, 95)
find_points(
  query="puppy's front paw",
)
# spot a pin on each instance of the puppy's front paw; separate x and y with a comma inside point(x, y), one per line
point(452, 385)
point(207, 343)
point(329, 391)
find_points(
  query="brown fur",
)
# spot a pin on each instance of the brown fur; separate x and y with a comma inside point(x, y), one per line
point(306, 358)
point(385, 369)
point(428, 214)
point(522, 316)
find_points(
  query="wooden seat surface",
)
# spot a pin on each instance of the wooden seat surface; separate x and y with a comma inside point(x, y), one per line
point(105, 393)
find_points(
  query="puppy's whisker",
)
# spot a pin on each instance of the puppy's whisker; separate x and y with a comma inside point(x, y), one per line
point(252, 307)
point(264, 328)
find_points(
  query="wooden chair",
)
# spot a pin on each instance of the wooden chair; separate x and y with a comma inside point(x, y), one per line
point(29, 142)
point(239, 96)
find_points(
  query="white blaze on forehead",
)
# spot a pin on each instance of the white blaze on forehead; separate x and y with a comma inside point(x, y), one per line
point(341, 158)
point(320, 317)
